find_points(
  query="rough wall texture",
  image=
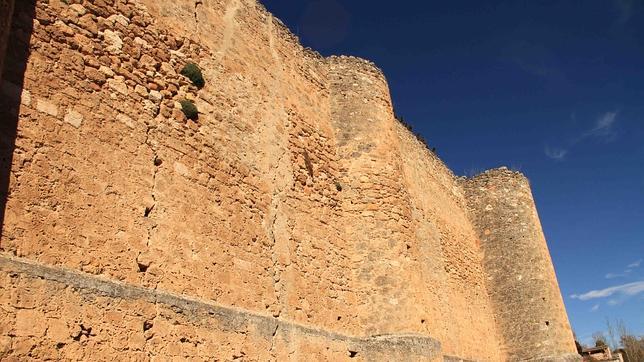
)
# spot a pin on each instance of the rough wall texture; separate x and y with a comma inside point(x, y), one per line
point(517, 261)
point(295, 219)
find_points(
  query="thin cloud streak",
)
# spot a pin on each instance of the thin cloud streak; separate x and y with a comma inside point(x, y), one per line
point(603, 130)
point(616, 275)
point(629, 289)
point(627, 272)
point(635, 264)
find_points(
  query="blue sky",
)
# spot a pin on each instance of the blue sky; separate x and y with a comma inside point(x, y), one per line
point(552, 88)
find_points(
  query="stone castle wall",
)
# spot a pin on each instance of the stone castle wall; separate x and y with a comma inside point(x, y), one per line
point(295, 219)
point(530, 311)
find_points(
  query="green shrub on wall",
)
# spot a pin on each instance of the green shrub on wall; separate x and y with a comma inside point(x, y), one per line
point(189, 109)
point(192, 72)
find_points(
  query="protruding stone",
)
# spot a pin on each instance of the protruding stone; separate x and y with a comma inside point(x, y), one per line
point(125, 119)
point(47, 107)
point(119, 19)
point(106, 70)
point(74, 118)
point(118, 84)
point(79, 9)
point(113, 42)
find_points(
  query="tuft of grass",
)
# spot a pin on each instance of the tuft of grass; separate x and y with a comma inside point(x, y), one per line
point(192, 72)
point(189, 109)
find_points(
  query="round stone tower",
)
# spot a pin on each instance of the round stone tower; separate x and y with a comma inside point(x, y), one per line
point(521, 278)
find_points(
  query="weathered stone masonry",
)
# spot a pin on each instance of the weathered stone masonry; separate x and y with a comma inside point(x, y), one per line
point(294, 220)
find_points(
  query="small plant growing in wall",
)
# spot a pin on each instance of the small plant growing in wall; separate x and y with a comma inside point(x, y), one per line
point(189, 109)
point(192, 72)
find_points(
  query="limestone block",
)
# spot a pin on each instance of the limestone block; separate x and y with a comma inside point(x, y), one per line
point(74, 118)
point(45, 106)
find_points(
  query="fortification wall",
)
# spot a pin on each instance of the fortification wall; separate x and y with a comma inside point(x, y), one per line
point(295, 219)
point(449, 253)
point(523, 285)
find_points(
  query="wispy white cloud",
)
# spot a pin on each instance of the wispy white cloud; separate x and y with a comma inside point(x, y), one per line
point(594, 308)
point(635, 264)
point(556, 153)
point(603, 129)
point(627, 272)
point(616, 275)
point(629, 289)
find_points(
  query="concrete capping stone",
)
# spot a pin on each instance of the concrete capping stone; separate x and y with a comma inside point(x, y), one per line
point(230, 318)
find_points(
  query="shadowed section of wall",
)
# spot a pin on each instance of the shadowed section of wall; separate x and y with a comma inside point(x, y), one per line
point(6, 14)
point(14, 52)
point(523, 285)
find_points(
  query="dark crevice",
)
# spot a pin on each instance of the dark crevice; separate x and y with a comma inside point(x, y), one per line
point(197, 3)
point(84, 331)
point(309, 165)
point(147, 325)
point(142, 267)
point(353, 354)
point(148, 210)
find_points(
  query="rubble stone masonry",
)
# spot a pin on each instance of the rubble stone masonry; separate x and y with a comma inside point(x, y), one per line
point(295, 219)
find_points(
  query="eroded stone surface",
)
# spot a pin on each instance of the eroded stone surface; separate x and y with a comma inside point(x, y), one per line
point(295, 196)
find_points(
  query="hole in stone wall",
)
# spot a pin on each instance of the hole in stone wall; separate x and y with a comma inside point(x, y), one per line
point(547, 323)
point(157, 161)
point(147, 325)
point(422, 321)
point(408, 247)
point(308, 164)
point(148, 210)
point(142, 267)
point(339, 317)
point(353, 354)
point(84, 331)
point(338, 186)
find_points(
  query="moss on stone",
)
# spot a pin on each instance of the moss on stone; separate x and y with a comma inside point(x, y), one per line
point(192, 72)
point(189, 109)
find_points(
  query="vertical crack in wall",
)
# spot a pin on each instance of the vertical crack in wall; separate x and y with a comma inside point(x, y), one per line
point(197, 4)
point(230, 23)
point(150, 204)
point(280, 179)
point(273, 337)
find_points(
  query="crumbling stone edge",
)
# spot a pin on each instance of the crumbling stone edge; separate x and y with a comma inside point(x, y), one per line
point(570, 357)
point(229, 318)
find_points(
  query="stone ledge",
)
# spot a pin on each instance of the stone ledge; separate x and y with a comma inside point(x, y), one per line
point(570, 357)
point(229, 318)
